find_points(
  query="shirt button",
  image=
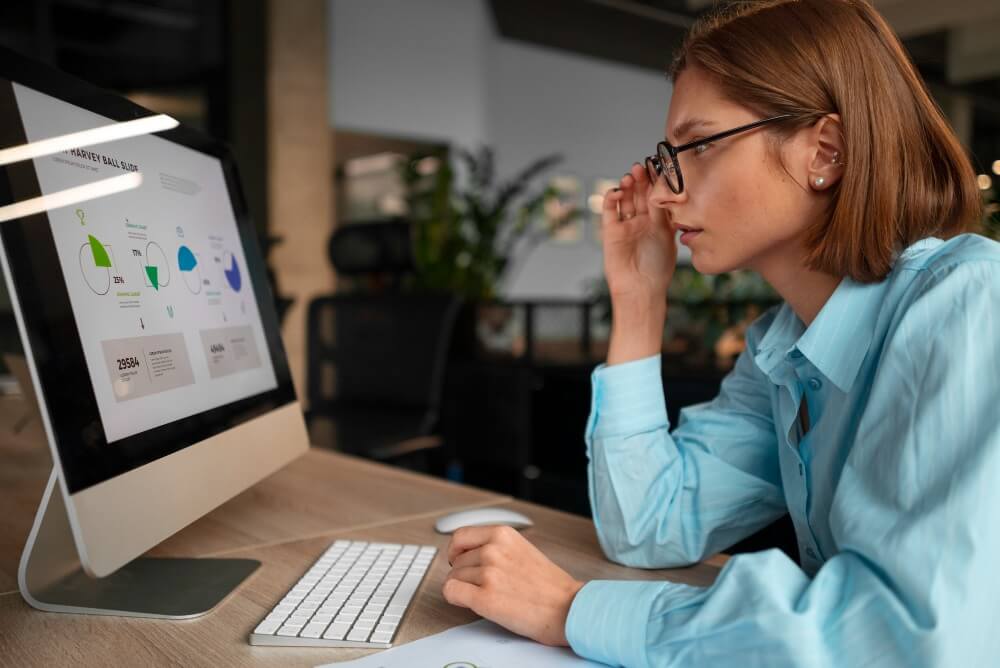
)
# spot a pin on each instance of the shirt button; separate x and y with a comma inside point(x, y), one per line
point(815, 383)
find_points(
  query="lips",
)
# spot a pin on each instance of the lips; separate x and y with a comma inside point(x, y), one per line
point(687, 233)
point(684, 228)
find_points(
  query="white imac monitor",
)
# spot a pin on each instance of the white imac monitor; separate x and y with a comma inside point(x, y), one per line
point(150, 333)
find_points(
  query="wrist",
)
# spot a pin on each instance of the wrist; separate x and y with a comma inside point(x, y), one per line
point(636, 331)
point(573, 590)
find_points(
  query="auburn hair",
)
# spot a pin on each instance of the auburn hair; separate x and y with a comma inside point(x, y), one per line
point(906, 176)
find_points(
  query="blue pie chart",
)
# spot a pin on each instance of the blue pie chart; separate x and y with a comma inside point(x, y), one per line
point(232, 273)
point(186, 259)
point(187, 262)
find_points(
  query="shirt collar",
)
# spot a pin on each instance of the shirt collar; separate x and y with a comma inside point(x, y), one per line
point(839, 337)
point(837, 340)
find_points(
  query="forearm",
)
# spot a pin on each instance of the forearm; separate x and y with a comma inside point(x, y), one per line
point(763, 610)
point(636, 328)
point(659, 502)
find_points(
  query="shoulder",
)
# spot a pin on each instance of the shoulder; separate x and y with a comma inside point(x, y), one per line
point(932, 261)
point(944, 285)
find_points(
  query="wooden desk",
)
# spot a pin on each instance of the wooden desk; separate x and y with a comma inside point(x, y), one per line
point(286, 522)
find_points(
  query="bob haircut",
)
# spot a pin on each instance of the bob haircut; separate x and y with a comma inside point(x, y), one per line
point(906, 176)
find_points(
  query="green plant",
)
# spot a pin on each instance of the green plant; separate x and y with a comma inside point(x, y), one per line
point(464, 233)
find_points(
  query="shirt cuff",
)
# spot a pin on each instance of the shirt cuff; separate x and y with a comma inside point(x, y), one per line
point(627, 399)
point(608, 621)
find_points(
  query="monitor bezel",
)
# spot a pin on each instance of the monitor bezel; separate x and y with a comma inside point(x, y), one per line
point(83, 453)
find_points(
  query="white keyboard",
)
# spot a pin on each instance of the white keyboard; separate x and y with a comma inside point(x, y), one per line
point(355, 595)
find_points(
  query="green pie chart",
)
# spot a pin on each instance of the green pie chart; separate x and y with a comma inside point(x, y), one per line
point(95, 265)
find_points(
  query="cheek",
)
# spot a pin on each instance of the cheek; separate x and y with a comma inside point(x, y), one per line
point(759, 202)
point(750, 209)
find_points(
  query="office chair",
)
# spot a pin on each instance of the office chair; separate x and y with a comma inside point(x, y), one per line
point(376, 362)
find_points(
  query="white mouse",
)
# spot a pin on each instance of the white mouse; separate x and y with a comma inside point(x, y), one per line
point(481, 517)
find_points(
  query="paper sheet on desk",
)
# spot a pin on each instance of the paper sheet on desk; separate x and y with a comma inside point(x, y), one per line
point(481, 644)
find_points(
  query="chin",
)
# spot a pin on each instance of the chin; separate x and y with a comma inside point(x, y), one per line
point(708, 266)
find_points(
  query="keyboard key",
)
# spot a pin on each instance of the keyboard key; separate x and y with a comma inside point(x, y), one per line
point(336, 631)
point(381, 637)
point(358, 635)
point(313, 630)
point(290, 630)
point(267, 627)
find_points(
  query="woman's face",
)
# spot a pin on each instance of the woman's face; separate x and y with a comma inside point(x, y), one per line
point(751, 212)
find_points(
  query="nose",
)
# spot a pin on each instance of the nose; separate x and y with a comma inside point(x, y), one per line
point(661, 196)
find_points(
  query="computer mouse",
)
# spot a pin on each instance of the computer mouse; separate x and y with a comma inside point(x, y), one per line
point(480, 517)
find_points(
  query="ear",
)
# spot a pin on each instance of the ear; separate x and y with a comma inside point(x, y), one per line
point(827, 153)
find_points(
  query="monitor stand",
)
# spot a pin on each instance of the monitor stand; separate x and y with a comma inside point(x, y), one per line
point(51, 578)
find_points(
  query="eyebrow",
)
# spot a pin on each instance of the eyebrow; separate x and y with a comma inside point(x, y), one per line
point(684, 128)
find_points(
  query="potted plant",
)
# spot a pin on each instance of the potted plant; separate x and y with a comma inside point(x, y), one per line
point(464, 233)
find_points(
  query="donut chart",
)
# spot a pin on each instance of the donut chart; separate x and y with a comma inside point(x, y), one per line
point(190, 268)
point(232, 271)
point(95, 265)
point(156, 268)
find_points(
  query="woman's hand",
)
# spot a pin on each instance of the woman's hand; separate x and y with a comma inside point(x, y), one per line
point(640, 255)
point(499, 575)
point(640, 251)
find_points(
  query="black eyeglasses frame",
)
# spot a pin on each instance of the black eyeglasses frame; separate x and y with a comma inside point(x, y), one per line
point(666, 151)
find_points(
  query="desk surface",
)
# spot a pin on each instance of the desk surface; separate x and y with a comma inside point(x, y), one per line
point(285, 521)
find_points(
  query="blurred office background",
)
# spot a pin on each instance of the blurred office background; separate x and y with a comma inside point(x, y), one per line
point(425, 176)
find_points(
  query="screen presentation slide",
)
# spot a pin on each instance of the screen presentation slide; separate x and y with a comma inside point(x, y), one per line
point(156, 275)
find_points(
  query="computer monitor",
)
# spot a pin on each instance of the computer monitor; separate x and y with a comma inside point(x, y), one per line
point(152, 340)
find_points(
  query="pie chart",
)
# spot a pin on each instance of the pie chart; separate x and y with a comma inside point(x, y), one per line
point(95, 264)
point(155, 269)
point(232, 271)
point(187, 262)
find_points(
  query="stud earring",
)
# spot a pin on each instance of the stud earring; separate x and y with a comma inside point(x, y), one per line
point(819, 181)
point(835, 158)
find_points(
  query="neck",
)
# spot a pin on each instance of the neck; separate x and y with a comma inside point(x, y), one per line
point(805, 290)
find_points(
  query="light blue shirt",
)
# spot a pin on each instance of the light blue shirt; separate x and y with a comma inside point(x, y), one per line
point(894, 491)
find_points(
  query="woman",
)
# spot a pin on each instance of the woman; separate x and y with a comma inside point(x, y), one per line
point(865, 405)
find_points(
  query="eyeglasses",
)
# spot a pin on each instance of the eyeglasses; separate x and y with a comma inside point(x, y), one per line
point(665, 162)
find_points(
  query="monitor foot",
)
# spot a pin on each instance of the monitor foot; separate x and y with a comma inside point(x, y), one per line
point(51, 578)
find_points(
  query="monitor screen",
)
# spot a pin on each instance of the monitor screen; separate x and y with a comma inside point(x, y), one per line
point(148, 312)
point(156, 275)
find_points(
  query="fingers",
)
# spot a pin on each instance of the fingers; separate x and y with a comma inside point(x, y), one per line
point(626, 206)
point(470, 574)
point(609, 210)
point(642, 188)
point(470, 538)
point(460, 593)
point(469, 558)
